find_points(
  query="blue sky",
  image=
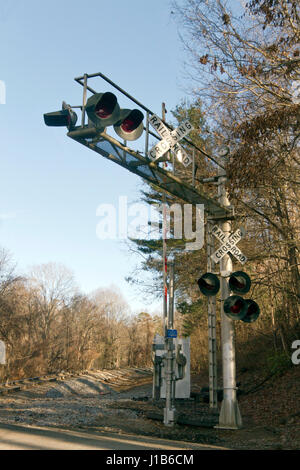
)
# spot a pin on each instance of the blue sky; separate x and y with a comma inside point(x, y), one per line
point(51, 186)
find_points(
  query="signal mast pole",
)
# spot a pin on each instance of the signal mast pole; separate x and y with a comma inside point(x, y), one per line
point(230, 417)
point(169, 411)
point(165, 265)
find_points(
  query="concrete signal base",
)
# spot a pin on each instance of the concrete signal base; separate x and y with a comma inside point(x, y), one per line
point(230, 417)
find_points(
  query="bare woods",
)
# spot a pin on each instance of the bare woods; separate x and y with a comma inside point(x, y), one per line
point(47, 325)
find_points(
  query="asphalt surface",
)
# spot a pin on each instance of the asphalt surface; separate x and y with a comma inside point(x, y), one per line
point(15, 437)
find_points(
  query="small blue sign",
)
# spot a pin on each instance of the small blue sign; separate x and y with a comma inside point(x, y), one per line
point(171, 333)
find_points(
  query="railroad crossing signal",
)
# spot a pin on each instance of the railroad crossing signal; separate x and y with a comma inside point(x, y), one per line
point(235, 306)
point(239, 282)
point(229, 245)
point(253, 311)
point(170, 140)
point(103, 110)
point(209, 284)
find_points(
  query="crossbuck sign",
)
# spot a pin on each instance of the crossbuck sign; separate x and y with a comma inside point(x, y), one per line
point(170, 140)
point(229, 245)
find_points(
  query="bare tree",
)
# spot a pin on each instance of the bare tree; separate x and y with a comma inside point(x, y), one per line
point(244, 62)
point(112, 310)
point(51, 285)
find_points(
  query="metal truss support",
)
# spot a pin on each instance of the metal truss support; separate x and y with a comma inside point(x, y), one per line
point(212, 337)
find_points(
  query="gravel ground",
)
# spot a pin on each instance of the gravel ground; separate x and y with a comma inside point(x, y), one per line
point(102, 401)
point(73, 402)
point(116, 402)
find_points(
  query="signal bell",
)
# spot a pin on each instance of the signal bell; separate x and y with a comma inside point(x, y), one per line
point(66, 117)
point(209, 284)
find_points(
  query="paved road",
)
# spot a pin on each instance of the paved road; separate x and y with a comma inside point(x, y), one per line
point(15, 437)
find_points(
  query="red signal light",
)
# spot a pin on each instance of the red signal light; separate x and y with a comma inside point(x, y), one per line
point(106, 105)
point(237, 307)
point(253, 311)
point(239, 282)
point(103, 109)
point(128, 125)
point(209, 284)
point(103, 112)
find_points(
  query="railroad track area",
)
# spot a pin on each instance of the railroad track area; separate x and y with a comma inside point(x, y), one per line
point(74, 400)
point(118, 380)
point(118, 401)
point(91, 398)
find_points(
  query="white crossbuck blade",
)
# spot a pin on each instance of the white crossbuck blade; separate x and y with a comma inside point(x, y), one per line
point(229, 245)
point(170, 140)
